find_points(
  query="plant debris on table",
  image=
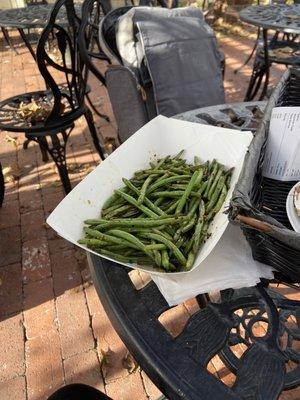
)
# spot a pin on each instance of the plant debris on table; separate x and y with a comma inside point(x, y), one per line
point(162, 214)
point(35, 111)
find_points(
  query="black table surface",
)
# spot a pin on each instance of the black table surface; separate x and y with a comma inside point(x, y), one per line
point(280, 17)
point(177, 366)
point(35, 16)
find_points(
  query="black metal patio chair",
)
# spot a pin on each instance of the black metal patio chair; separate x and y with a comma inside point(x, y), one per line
point(131, 90)
point(47, 117)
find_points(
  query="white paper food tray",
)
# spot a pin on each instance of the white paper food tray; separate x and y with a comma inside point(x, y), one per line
point(160, 137)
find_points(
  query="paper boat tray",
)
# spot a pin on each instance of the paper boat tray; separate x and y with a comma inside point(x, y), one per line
point(160, 137)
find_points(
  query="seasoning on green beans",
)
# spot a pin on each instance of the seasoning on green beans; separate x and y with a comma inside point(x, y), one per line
point(161, 216)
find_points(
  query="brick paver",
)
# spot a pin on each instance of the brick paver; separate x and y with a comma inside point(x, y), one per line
point(53, 328)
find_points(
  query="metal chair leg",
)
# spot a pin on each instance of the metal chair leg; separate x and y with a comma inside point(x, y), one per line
point(45, 157)
point(2, 186)
point(258, 73)
point(105, 117)
point(98, 146)
point(251, 54)
point(8, 40)
point(56, 147)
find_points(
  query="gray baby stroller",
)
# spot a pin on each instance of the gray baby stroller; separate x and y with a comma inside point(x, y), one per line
point(163, 61)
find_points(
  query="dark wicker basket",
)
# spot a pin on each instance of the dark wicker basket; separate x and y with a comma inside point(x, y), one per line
point(259, 204)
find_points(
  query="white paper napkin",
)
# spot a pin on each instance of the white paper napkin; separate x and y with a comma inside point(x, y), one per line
point(229, 265)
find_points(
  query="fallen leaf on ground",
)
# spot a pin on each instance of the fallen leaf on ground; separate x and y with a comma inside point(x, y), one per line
point(11, 173)
point(129, 363)
point(12, 140)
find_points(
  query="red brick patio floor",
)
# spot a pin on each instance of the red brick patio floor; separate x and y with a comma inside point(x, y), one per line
point(53, 329)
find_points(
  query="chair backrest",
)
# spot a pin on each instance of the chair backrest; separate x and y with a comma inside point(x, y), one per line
point(138, 92)
point(107, 34)
point(88, 37)
point(60, 63)
point(100, 36)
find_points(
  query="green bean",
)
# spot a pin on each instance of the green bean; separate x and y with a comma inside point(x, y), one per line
point(219, 204)
point(155, 246)
point(211, 178)
point(178, 186)
point(197, 160)
point(143, 222)
point(132, 201)
point(168, 193)
point(178, 155)
point(92, 242)
point(189, 225)
point(161, 162)
point(159, 238)
point(109, 201)
point(163, 233)
point(194, 204)
point(199, 226)
point(165, 181)
point(202, 188)
point(143, 190)
point(204, 232)
point(137, 184)
point(215, 196)
point(102, 236)
point(172, 207)
point(131, 239)
point(221, 200)
point(125, 259)
point(131, 213)
point(118, 211)
point(95, 221)
point(190, 261)
point(158, 202)
point(180, 170)
point(191, 219)
point(153, 207)
point(187, 191)
point(118, 247)
point(110, 209)
point(180, 241)
point(215, 182)
point(189, 245)
point(112, 199)
point(165, 259)
point(157, 258)
point(211, 165)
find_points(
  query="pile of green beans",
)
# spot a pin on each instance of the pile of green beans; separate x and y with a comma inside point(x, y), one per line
point(161, 216)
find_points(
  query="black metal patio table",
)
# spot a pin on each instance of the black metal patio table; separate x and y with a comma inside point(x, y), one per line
point(278, 17)
point(30, 17)
point(178, 366)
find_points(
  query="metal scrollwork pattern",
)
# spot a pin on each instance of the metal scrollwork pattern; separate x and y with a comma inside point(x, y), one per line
point(264, 325)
